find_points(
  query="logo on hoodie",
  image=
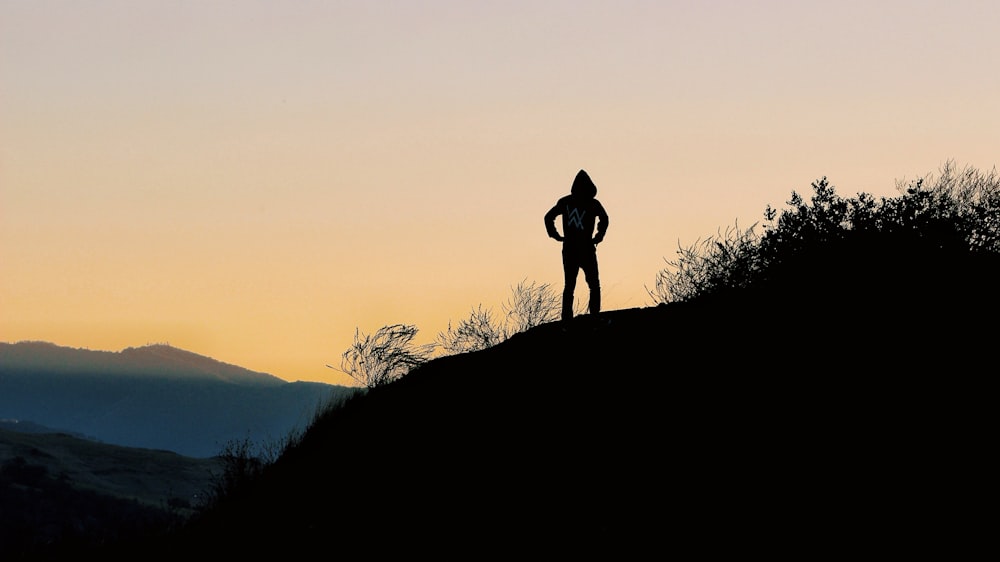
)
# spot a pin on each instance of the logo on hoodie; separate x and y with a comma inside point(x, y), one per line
point(576, 218)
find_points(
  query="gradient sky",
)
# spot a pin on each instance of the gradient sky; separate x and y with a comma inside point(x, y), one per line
point(254, 180)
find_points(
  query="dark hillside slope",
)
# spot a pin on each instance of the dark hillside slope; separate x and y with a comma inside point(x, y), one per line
point(820, 413)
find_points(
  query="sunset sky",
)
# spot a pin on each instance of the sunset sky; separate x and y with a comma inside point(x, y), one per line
point(254, 180)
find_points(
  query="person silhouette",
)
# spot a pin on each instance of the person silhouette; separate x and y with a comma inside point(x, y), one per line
point(580, 211)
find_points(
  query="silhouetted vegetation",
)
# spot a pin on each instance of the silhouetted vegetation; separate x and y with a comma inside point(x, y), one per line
point(480, 330)
point(380, 358)
point(390, 353)
point(529, 305)
point(954, 211)
point(243, 462)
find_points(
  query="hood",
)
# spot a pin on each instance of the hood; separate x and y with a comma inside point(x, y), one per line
point(583, 185)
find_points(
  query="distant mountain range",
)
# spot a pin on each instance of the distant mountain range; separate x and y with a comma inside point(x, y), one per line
point(155, 397)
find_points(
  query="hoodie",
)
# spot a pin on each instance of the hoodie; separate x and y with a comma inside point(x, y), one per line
point(580, 211)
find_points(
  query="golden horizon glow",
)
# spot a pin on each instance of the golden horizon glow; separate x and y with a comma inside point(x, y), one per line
point(253, 181)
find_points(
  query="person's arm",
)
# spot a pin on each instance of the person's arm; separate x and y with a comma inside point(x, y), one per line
point(602, 222)
point(550, 222)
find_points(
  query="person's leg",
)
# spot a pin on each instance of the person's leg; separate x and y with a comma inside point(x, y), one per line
point(570, 269)
point(590, 273)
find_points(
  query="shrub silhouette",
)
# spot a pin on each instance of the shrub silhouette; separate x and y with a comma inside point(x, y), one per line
point(243, 463)
point(529, 305)
point(380, 358)
point(480, 330)
point(952, 213)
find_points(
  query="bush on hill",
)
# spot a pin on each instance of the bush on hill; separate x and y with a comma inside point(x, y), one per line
point(954, 213)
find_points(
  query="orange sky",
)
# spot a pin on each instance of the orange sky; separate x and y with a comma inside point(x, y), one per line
point(253, 180)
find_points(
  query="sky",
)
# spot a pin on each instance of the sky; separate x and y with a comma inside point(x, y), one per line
point(255, 180)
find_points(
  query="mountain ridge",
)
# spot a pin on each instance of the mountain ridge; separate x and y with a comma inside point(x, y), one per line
point(158, 359)
point(156, 397)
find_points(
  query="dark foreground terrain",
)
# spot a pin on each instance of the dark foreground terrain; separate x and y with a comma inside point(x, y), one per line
point(842, 411)
point(60, 492)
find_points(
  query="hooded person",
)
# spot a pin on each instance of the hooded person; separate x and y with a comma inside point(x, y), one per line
point(581, 212)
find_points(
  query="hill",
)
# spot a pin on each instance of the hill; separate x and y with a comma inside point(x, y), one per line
point(825, 389)
point(159, 360)
point(817, 415)
point(152, 477)
point(58, 491)
point(155, 397)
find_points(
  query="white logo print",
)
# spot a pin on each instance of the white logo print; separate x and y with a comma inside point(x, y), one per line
point(576, 218)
